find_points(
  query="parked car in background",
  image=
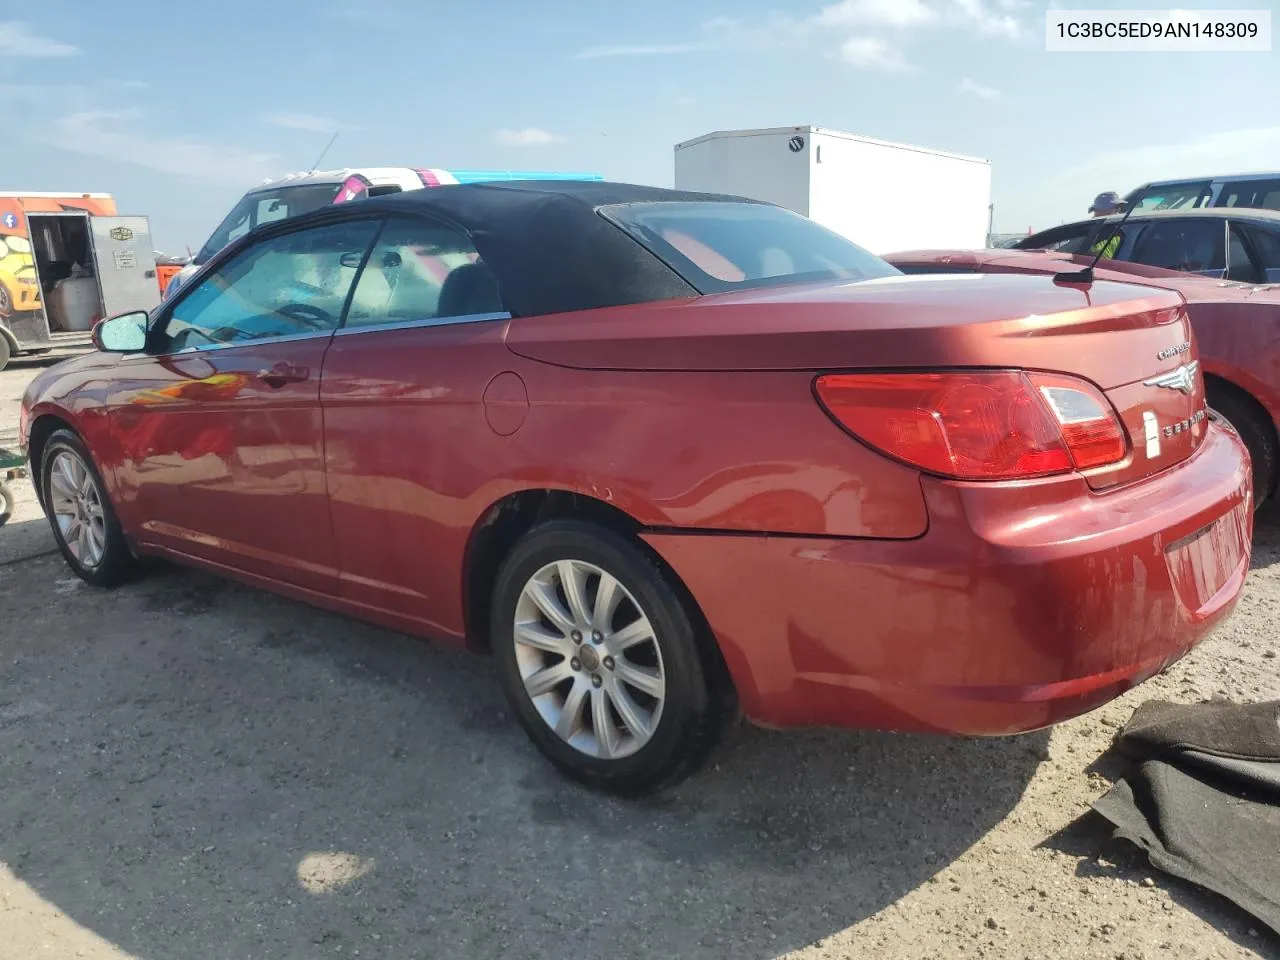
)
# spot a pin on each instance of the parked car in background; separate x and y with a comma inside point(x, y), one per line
point(300, 193)
point(661, 453)
point(1241, 245)
point(1237, 329)
point(1253, 190)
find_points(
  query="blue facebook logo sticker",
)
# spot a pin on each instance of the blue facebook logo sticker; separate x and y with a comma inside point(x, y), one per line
point(10, 220)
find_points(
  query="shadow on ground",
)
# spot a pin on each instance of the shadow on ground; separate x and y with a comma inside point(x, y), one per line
point(193, 769)
point(1266, 537)
point(23, 539)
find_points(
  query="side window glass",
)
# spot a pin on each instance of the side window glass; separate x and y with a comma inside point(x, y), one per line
point(1064, 239)
point(1177, 196)
point(1252, 193)
point(1105, 240)
point(242, 227)
point(271, 209)
point(1193, 246)
point(1240, 265)
point(1267, 244)
point(1074, 243)
point(287, 285)
point(422, 271)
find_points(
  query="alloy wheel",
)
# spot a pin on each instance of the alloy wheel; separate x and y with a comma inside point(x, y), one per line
point(589, 659)
point(76, 503)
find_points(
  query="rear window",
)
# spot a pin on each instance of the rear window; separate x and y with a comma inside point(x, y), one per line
point(722, 246)
point(1072, 238)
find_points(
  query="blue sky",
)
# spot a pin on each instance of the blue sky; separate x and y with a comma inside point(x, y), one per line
point(178, 109)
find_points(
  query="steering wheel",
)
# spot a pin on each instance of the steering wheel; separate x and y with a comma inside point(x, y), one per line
point(308, 315)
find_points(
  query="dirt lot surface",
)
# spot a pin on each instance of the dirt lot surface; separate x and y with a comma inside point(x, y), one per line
point(189, 769)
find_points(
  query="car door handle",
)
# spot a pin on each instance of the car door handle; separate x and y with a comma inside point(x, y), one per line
point(281, 373)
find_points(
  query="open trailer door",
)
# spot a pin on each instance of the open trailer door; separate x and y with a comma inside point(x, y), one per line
point(126, 265)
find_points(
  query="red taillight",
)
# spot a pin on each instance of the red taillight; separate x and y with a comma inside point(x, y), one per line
point(979, 425)
point(1086, 420)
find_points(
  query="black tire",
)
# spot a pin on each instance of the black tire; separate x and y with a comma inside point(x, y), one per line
point(6, 351)
point(1257, 432)
point(696, 704)
point(6, 504)
point(117, 564)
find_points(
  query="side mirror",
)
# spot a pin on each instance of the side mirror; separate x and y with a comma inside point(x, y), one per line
point(126, 333)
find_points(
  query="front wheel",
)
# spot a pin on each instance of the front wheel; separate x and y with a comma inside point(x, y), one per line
point(84, 523)
point(600, 658)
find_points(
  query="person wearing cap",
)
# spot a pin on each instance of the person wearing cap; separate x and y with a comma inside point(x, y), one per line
point(1105, 205)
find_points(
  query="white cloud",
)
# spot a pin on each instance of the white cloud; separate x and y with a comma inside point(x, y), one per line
point(308, 122)
point(1229, 151)
point(528, 137)
point(872, 53)
point(69, 117)
point(843, 25)
point(642, 50)
point(771, 32)
point(879, 13)
point(18, 40)
point(978, 90)
point(1063, 194)
point(985, 21)
point(116, 135)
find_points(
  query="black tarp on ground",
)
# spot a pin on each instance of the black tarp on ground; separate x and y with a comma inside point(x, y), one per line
point(1203, 797)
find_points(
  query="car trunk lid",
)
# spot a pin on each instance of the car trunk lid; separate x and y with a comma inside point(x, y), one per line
point(1133, 342)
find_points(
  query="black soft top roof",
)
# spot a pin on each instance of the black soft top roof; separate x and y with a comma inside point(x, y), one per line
point(544, 240)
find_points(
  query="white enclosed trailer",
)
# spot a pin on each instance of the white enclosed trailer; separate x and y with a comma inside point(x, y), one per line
point(883, 196)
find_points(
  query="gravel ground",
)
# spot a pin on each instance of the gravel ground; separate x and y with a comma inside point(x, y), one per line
point(192, 769)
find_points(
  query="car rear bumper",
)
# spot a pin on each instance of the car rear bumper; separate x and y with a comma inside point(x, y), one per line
point(1022, 606)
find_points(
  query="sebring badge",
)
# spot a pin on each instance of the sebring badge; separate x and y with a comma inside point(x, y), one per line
point(1173, 429)
point(1183, 378)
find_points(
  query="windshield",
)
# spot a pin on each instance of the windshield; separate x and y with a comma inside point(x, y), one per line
point(263, 206)
point(721, 246)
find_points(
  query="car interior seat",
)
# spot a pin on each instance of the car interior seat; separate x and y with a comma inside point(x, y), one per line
point(469, 289)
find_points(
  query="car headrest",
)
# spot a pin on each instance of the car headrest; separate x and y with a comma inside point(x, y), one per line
point(469, 289)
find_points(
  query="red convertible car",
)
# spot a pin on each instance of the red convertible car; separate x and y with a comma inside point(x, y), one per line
point(667, 456)
point(1237, 330)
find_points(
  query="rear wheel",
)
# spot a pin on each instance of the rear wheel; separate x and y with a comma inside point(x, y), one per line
point(84, 523)
point(5, 350)
point(1256, 430)
point(599, 656)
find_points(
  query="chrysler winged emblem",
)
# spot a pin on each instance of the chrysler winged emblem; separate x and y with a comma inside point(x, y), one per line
point(1183, 378)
